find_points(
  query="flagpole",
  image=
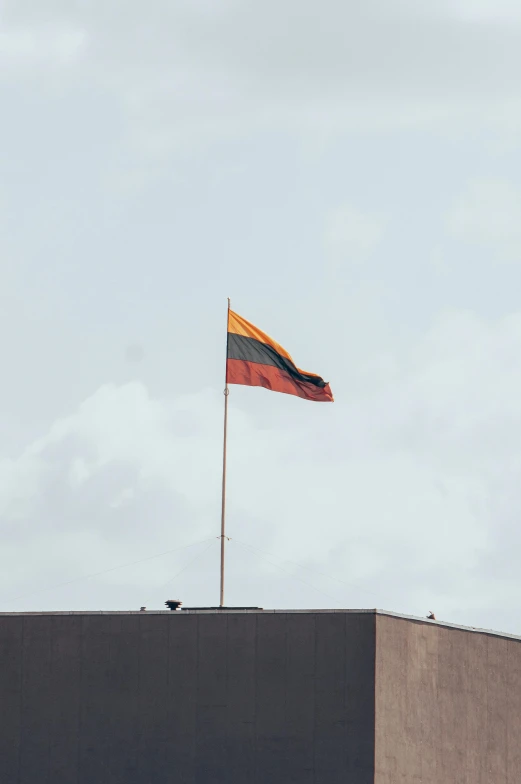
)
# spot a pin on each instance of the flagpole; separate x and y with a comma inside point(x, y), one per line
point(223, 500)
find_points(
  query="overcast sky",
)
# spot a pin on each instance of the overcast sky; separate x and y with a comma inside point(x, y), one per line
point(349, 173)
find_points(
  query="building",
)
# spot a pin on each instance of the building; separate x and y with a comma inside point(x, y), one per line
point(256, 697)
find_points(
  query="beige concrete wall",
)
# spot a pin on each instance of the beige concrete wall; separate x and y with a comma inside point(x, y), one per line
point(448, 705)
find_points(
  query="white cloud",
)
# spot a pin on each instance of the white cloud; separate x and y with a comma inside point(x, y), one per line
point(485, 11)
point(55, 45)
point(124, 474)
point(351, 234)
point(489, 214)
point(410, 503)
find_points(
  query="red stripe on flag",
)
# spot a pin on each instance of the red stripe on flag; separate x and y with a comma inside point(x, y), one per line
point(252, 374)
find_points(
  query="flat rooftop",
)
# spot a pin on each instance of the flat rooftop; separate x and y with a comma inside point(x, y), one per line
point(259, 610)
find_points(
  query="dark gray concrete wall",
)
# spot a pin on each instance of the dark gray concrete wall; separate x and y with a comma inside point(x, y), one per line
point(448, 705)
point(187, 698)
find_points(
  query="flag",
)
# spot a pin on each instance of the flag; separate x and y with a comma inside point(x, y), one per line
point(255, 360)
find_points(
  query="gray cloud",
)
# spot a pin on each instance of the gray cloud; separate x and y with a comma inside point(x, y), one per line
point(155, 160)
point(247, 66)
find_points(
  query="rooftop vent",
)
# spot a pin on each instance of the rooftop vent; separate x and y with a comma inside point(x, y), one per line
point(173, 604)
